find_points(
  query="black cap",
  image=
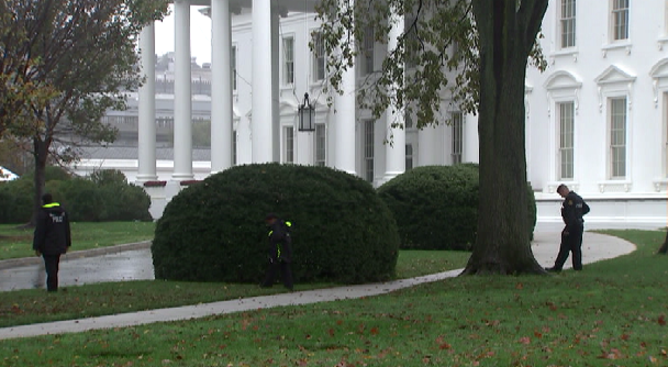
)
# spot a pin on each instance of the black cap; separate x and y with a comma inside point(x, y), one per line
point(47, 198)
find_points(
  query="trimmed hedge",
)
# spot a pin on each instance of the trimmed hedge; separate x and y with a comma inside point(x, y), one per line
point(215, 231)
point(437, 206)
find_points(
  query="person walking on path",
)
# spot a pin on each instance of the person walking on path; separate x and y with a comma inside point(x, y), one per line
point(52, 238)
point(279, 251)
point(572, 210)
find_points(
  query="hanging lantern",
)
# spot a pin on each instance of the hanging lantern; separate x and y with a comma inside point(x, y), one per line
point(306, 115)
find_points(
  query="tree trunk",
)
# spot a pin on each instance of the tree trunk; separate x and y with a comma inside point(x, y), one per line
point(507, 33)
point(664, 247)
point(40, 153)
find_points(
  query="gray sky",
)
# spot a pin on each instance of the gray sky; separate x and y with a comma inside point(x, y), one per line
point(200, 35)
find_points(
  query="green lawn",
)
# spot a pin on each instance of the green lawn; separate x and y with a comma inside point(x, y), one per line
point(611, 314)
point(31, 306)
point(16, 242)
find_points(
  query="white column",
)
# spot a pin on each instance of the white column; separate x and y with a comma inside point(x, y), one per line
point(470, 138)
point(262, 111)
point(221, 86)
point(183, 169)
point(275, 61)
point(345, 118)
point(146, 127)
point(395, 152)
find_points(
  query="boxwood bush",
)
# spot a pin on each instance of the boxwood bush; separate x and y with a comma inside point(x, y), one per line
point(436, 207)
point(104, 196)
point(214, 230)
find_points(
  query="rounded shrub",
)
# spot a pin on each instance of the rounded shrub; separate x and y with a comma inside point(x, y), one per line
point(214, 230)
point(436, 207)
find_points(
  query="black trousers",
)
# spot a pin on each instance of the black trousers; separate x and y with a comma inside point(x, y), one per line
point(571, 241)
point(272, 270)
point(51, 265)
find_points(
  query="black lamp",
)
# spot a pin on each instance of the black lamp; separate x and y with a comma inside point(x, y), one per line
point(306, 115)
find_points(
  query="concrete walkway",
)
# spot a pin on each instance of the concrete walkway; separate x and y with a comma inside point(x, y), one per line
point(596, 247)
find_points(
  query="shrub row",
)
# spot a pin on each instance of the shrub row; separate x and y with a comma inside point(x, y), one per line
point(104, 196)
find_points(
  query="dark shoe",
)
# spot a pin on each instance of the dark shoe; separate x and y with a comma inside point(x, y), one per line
point(552, 270)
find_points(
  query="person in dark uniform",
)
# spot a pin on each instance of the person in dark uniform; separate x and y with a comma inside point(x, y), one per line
point(279, 251)
point(52, 238)
point(572, 210)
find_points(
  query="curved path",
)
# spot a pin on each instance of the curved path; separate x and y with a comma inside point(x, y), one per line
point(596, 247)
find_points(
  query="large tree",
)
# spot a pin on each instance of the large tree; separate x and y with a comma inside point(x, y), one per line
point(474, 55)
point(63, 64)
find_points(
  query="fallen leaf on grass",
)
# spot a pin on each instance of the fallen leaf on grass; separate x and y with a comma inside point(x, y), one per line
point(662, 320)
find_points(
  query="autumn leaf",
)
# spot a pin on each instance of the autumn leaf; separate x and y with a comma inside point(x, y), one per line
point(519, 286)
point(331, 332)
point(624, 337)
point(374, 331)
point(662, 320)
point(525, 340)
point(537, 334)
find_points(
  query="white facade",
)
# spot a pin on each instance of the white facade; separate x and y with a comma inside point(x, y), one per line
point(597, 118)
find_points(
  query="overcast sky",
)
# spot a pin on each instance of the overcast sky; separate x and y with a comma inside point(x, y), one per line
point(200, 35)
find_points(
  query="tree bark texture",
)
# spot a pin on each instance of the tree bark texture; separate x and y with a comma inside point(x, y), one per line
point(507, 33)
point(664, 247)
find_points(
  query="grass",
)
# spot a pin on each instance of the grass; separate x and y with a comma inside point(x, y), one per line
point(31, 306)
point(611, 314)
point(16, 242)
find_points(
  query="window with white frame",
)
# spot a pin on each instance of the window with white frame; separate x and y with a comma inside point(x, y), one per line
point(288, 144)
point(617, 128)
point(620, 20)
point(367, 51)
point(408, 120)
point(567, 23)
point(233, 65)
point(457, 137)
point(369, 147)
point(665, 133)
point(318, 57)
point(409, 156)
point(288, 60)
point(566, 127)
point(320, 145)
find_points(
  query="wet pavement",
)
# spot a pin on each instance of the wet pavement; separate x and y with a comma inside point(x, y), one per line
point(75, 270)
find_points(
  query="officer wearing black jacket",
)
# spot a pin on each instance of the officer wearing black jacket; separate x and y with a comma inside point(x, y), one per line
point(572, 210)
point(279, 251)
point(52, 238)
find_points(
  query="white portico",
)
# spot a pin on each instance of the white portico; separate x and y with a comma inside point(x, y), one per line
point(596, 119)
point(255, 133)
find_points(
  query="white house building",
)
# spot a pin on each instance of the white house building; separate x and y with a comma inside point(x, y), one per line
point(597, 118)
